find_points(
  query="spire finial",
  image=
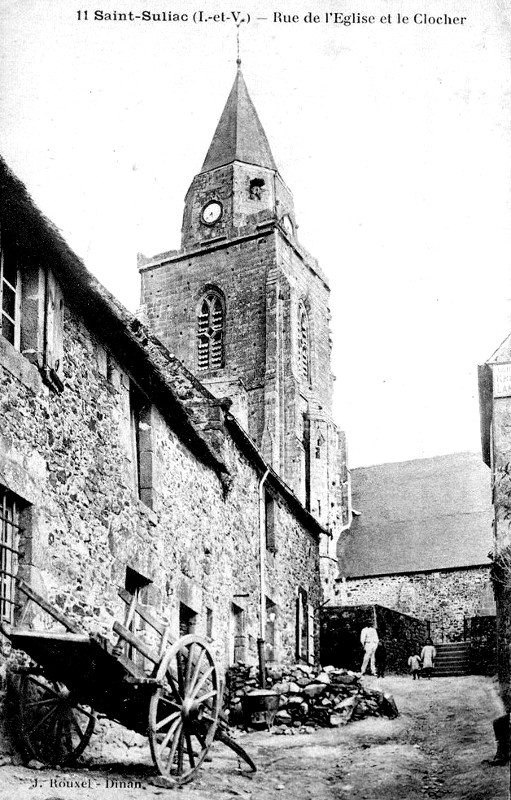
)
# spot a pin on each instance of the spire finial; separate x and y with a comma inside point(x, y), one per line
point(238, 58)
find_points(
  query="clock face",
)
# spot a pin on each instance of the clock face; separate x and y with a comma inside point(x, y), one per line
point(212, 212)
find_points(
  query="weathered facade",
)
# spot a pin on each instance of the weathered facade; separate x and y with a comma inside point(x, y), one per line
point(118, 469)
point(245, 307)
point(421, 542)
point(495, 411)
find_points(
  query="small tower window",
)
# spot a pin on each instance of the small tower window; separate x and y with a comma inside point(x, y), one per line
point(319, 444)
point(210, 332)
point(255, 191)
point(304, 343)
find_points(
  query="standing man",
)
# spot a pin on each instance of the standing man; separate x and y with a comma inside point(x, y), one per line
point(428, 656)
point(369, 640)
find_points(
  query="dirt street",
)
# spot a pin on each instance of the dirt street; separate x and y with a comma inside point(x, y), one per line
point(434, 749)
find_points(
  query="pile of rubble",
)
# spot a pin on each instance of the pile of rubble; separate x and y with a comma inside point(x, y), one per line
point(308, 698)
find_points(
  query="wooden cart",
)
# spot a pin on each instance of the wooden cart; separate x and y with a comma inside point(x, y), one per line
point(172, 693)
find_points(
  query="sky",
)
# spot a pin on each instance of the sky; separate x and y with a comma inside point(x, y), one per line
point(394, 137)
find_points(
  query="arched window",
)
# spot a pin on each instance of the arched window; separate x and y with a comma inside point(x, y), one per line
point(210, 332)
point(304, 343)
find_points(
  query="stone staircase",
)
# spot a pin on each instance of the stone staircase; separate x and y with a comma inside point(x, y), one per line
point(452, 659)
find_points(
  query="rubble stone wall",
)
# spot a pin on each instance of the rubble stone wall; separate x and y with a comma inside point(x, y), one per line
point(340, 636)
point(501, 472)
point(483, 645)
point(444, 597)
point(265, 280)
point(68, 457)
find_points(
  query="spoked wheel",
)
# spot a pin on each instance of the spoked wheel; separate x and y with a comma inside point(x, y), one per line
point(184, 710)
point(52, 727)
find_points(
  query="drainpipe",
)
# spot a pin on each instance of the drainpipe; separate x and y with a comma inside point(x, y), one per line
point(262, 582)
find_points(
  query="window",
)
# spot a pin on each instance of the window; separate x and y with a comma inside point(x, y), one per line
point(137, 586)
point(141, 434)
point(271, 630)
point(256, 187)
point(187, 620)
point(31, 310)
point(237, 639)
point(9, 540)
point(9, 293)
point(304, 628)
point(269, 521)
point(210, 332)
point(319, 444)
point(209, 623)
point(304, 343)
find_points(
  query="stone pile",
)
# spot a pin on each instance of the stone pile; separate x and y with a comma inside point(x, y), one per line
point(308, 697)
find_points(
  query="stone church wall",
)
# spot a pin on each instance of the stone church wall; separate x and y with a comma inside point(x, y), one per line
point(445, 598)
point(171, 295)
point(68, 458)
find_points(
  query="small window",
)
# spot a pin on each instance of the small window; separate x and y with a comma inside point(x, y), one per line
point(237, 638)
point(271, 630)
point(210, 332)
point(256, 188)
point(269, 522)
point(209, 623)
point(187, 620)
point(31, 310)
point(9, 542)
point(141, 434)
point(319, 444)
point(9, 292)
point(304, 343)
point(304, 628)
point(137, 586)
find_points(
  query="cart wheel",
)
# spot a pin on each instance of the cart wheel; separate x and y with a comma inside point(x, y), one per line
point(183, 713)
point(52, 727)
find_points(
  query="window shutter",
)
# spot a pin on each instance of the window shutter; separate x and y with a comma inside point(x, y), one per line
point(310, 633)
point(54, 326)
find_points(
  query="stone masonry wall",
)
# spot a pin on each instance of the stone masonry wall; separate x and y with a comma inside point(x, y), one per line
point(340, 636)
point(444, 598)
point(171, 293)
point(69, 458)
point(483, 645)
point(265, 280)
point(501, 480)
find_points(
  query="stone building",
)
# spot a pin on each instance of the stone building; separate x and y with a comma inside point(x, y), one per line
point(119, 469)
point(245, 307)
point(495, 413)
point(421, 542)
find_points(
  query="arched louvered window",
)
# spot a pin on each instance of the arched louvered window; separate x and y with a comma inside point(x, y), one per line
point(210, 332)
point(304, 343)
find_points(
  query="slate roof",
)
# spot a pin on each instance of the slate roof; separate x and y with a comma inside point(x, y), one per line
point(239, 135)
point(417, 516)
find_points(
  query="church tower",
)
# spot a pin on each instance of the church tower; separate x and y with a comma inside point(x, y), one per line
point(245, 307)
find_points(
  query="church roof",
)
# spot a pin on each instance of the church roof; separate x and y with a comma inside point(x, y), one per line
point(418, 516)
point(239, 135)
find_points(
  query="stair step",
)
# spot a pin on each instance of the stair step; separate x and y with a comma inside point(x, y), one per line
point(450, 659)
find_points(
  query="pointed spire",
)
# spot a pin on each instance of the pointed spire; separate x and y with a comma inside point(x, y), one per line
point(239, 135)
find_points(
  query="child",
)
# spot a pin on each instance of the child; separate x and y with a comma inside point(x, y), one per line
point(414, 663)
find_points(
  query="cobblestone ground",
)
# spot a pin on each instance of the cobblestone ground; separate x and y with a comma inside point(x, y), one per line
point(435, 749)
